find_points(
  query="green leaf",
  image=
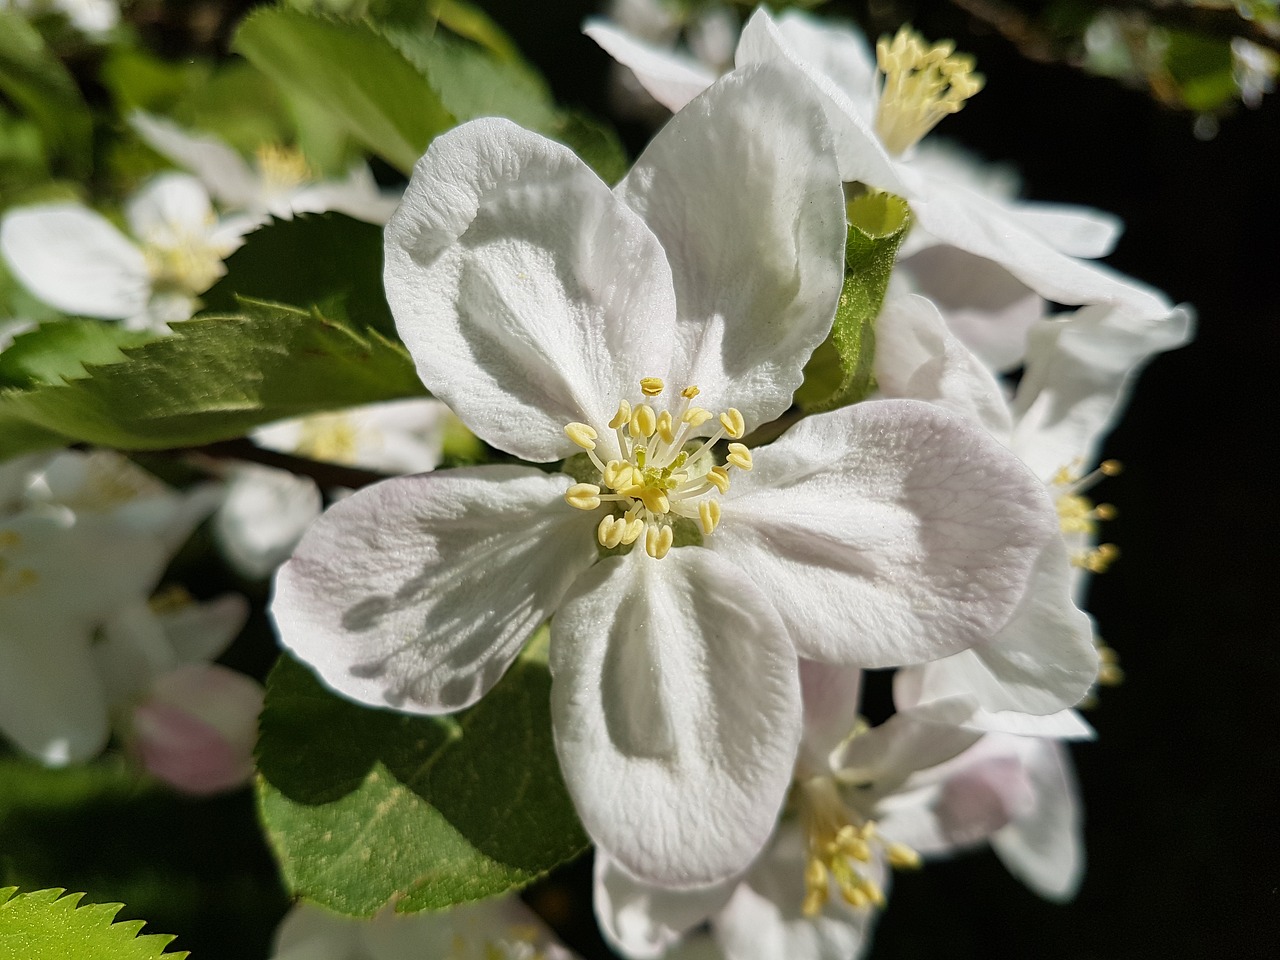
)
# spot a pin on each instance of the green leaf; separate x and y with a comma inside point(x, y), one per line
point(357, 74)
point(1201, 68)
point(472, 23)
point(48, 926)
point(327, 261)
point(367, 807)
point(216, 378)
point(60, 350)
point(840, 371)
point(32, 77)
point(596, 143)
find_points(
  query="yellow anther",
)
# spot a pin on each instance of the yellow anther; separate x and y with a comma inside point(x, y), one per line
point(734, 425)
point(739, 456)
point(655, 500)
point(657, 540)
point(618, 474)
point(582, 434)
point(610, 532)
point(1111, 468)
point(665, 430)
point(901, 856)
point(696, 416)
point(634, 527)
point(854, 896)
point(690, 392)
point(850, 842)
point(282, 167)
point(922, 84)
point(1099, 559)
point(622, 417)
point(584, 496)
point(873, 892)
point(644, 422)
point(652, 386)
point(1104, 511)
point(816, 879)
point(718, 477)
point(709, 516)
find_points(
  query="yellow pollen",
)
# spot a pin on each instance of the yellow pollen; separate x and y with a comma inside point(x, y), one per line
point(922, 84)
point(582, 434)
point(739, 456)
point(1109, 672)
point(282, 168)
point(644, 422)
point(1097, 560)
point(657, 541)
point(666, 427)
point(709, 516)
point(328, 438)
point(622, 417)
point(733, 423)
point(719, 478)
point(1111, 468)
point(583, 496)
point(609, 532)
point(187, 264)
point(690, 392)
point(696, 416)
point(652, 386)
point(618, 474)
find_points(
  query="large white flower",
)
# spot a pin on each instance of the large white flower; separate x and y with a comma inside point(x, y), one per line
point(278, 183)
point(879, 109)
point(76, 260)
point(636, 329)
point(84, 538)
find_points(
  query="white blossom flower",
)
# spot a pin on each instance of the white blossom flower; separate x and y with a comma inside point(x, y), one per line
point(636, 329)
point(279, 183)
point(497, 929)
point(76, 260)
point(93, 18)
point(866, 799)
point(263, 516)
point(84, 538)
point(879, 109)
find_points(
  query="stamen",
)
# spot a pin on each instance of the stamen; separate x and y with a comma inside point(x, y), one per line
point(719, 478)
point(622, 417)
point(922, 84)
point(739, 456)
point(583, 496)
point(618, 474)
point(690, 392)
point(665, 430)
point(610, 531)
point(696, 416)
point(582, 434)
point(644, 422)
point(658, 540)
point(709, 516)
point(734, 425)
point(652, 386)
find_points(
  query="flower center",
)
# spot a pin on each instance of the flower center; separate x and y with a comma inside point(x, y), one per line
point(1078, 516)
point(922, 84)
point(659, 475)
point(184, 262)
point(329, 438)
point(282, 168)
point(841, 846)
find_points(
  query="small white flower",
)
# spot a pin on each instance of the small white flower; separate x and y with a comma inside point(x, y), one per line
point(279, 183)
point(263, 517)
point(76, 260)
point(636, 328)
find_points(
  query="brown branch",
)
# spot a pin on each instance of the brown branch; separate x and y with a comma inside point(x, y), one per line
point(216, 458)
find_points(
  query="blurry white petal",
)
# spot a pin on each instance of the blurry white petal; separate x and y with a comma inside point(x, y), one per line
point(228, 176)
point(671, 78)
point(265, 513)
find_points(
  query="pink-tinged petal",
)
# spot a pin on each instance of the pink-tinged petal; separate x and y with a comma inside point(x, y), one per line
point(986, 306)
point(1042, 662)
point(418, 592)
point(1079, 373)
point(1075, 231)
point(832, 695)
point(676, 709)
point(518, 282)
point(859, 152)
point(888, 532)
point(1043, 847)
point(642, 921)
point(742, 190)
point(228, 176)
point(197, 729)
point(75, 260)
point(918, 358)
point(765, 919)
point(670, 78)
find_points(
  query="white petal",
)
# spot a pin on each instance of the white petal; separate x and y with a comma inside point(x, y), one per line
point(918, 358)
point(837, 51)
point(832, 696)
point(765, 919)
point(1079, 373)
point(417, 592)
point(228, 176)
point(642, 921)
point(518, 283)
point(74, 259)
point(676, 709)
point(670, 78)
point(1075, 231)
point(357, 195)
point(1044, 848)
point(888, 532)
point(859, 152)
point(200, 632)
point(741, 189)
point(986, 306)
point(265, 513)
point(310, 933)
point(1042, 662)
point(982, 226)
point(171, 207)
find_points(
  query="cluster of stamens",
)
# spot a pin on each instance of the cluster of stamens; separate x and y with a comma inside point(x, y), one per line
point(13, 580)
point(922, 84)
point(659, 475)
point(185, 263)
point(1079, 516)
point(282, 168)
point(329, 438)
point(841, 847)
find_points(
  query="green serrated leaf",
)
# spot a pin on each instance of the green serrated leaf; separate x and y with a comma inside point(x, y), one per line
point(328, 261)
point(216, 378)
point(59, 350)
point(354, 72)
point(368, 807)
point(840, 371)
point(45, 925)
point(33, 79)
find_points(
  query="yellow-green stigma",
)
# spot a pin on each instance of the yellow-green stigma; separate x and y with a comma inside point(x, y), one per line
point(922, 84)
point(656, 479)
